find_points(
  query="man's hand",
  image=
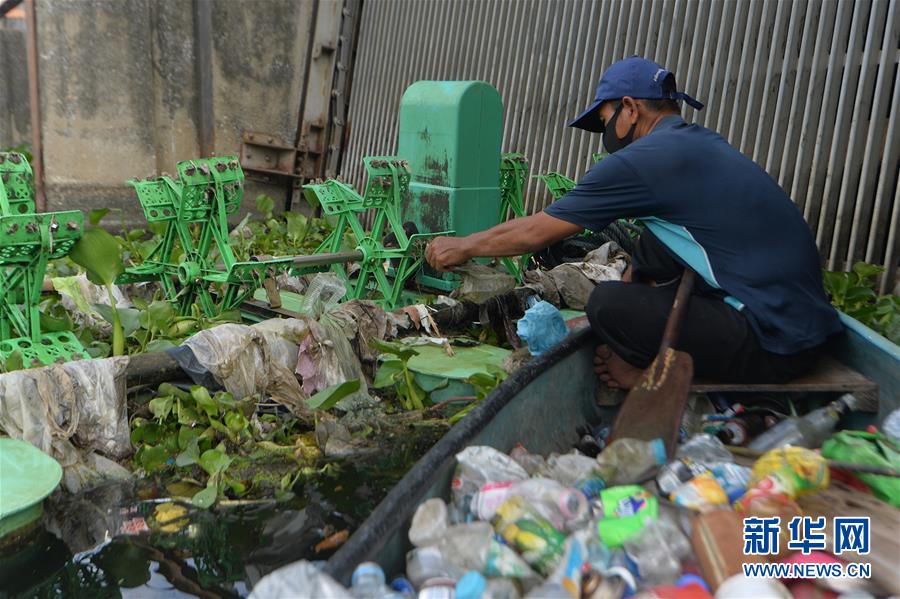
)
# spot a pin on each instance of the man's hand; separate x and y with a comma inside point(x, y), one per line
point(443, 253)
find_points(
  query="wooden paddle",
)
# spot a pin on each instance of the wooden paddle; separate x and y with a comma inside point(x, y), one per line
point(654, 406)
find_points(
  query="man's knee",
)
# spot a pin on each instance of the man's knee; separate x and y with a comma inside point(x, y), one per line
point(607, 303)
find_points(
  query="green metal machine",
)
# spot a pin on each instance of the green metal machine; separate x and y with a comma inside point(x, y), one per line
point(450, 132)
point(194, 264)
point(27, 242)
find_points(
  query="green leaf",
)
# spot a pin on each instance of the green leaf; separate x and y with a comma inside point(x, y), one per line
point(159, 315)
point(15, 361)
point(190, 455)
point(387, 373)
point(153, 457)
point(296, 225)
point(866, 271)
point(98, 253)
point(207, 497)
point(204, 400)
point(96, 215)
point(99, 349)
point(214, 461)
point(186, 434)
point(236, 422)
point(51, 323)
point(161, 407)
point(265, 205)
point(187, 413)
point(130, 318)
point(328, 397)
point(158, 345)
point(149, 433)
point(401, 351)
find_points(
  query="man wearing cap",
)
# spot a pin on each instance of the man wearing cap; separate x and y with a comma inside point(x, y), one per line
point(759, 312)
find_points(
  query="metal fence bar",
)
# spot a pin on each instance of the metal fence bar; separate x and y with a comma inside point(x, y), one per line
point(807, 88)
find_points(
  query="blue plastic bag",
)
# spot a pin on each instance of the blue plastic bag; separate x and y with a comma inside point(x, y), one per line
point(541, 328)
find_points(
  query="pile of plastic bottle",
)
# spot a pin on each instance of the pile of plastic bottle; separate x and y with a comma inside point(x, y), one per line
point(630, 521)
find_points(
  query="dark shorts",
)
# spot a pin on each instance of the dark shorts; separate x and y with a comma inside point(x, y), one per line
point(630, 318)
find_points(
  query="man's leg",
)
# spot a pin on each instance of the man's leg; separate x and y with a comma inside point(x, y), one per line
point(629, 319)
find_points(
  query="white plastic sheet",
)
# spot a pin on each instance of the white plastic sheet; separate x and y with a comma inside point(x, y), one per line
point(75, 412)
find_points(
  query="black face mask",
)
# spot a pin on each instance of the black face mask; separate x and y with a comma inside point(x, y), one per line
point(611, 141)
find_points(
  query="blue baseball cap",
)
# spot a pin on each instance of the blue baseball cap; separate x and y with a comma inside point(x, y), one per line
point(636, 77)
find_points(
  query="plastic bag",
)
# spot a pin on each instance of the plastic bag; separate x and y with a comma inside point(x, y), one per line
point(542, 328)
point(478, 465)
point(480, 283)
point(323, 294)
point(247, 360)
point(299, 579)
point(71, 411)
point(571, 284)
point(873, 449)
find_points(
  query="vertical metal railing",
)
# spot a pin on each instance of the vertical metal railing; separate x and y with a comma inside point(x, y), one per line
point(807, 88)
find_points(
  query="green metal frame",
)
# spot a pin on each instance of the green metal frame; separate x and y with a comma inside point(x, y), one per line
point(383, 271)
point(28, 241)
point(513, 175)
point(194, 262)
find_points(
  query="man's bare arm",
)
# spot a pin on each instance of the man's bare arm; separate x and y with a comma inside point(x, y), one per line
point(512, 238)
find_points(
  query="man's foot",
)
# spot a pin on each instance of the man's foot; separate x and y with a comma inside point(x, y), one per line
point(613, 370)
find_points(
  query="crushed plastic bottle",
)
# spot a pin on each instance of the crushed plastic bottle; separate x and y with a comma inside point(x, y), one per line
point(705, 449)
point(542, 327)
point(623, 512)
point(564, 508)
point(809, 431)
point(536, 540)
point(626, 461)
point(569, 468)
point(658, 551)
point(429, 523)
point(531, 462)
point(477, 466)
point(367, 582)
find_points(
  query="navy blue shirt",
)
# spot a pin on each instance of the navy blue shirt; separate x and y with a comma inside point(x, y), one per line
point(722, 215)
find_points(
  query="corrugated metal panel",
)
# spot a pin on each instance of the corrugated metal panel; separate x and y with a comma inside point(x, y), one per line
point(807, 88)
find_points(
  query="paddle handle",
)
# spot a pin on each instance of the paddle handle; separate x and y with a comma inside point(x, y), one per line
point(679, 307)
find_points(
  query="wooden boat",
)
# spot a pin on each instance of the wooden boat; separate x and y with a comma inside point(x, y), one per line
point(543, 403)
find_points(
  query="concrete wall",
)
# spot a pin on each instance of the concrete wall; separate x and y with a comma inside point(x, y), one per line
point(119, 89)
point(15, 120)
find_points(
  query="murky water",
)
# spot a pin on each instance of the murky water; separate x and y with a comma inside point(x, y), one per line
point(109, 543)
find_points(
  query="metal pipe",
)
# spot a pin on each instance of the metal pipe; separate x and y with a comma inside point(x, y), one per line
point(326, 259)
point(203, 65)
point(34, 94)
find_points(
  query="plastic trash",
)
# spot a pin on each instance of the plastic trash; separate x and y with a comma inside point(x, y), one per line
point(702, 493)
point(676, 473)
point(745, 426)
point(542, 327)
point(872, 449)
point(624, 511)
point(549, 590)
point(438, 588)
point(783, 474)
point(425, 563)
point(810, 430)
point(536, 540)
point(626, 461)
point(704, 448)
point(569, 468)
point(564, 508)
point(299, 579)
point(478, 465)
point(325, 292)
point(742, 587)
point(429, 523)
point(471, 586)
point(367, 582)
point(658, 551)
point(531, 462)
point(891, 426)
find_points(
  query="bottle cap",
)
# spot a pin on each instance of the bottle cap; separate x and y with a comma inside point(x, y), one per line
point(689, 579)
point(367, 569)
point(470, 586)
point(659, 451)
point(572, 503)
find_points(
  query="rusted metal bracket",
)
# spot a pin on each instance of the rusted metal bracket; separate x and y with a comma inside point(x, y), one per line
point(268, 158)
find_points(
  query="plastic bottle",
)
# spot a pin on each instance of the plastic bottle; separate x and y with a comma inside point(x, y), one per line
point(367, 582)
point(429, 522)
point(478, 465)
point(549, 590)
point(809, 431)
point(623, 512)
point(438, 588)
point(745, 426)
point(471, 586)
point(891, 426)
point(531, 462)
point(569, 468)
point(564, 508)
point(674, 474)
point(626, 461)
point(658, 550)
point(705, 449)
point(424, 563)
point(536, 540)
